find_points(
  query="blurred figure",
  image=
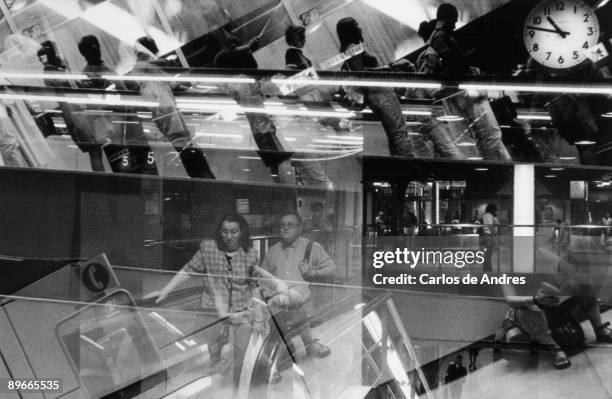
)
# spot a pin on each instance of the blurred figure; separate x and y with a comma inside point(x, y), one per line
point(317, 227)
point(382, 100)
point(578, 285)
point(428, 62)
point(607, 221)
point(271, 151)
point(22, 143)
point(455, 377)
point(489, 235)
point(74, 116)
point(124, 144)
point(295, 36)
point(476, 111)
point(528, 319)
point(167, 117)
point(381, 224)
point(473, 353)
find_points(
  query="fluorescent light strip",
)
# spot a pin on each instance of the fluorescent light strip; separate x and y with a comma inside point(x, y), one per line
point(167, 78)
point(347, 137)
point(539, 89)
point(361, 83)
point(78, 100)
point(223, 135)
point(534, 117)
point(329, 141)
point(50, 76)
point(193, 106)
point(416, 113)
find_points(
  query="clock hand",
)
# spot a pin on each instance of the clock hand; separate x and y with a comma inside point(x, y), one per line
point(559, 31)
point(545, 30)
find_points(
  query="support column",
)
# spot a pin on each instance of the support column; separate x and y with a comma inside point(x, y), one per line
point(523, 215)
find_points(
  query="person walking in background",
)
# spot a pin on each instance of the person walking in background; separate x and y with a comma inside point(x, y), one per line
point(381, 224)
point(382, 100)
point(455, 377)
point(489, 235)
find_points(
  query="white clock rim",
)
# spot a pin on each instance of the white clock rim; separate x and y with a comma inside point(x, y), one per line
point(583, 57)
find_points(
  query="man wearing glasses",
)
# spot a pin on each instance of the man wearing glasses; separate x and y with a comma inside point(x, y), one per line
point(298, 261)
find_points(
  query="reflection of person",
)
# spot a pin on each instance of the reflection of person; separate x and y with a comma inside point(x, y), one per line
point(429, 62)
point(579, 286)
point(167, 117)
point(298, 261)
point(380, 223)
point(73, 114)
point(123, 144)
point(228, 263)
point(382, 100)
point(455, 373)
point(528, 316)
point(295, 36)
point(489, 235)
point(240, 56)
point(476, 111)
point(409, 222)
point(317, 227)
point(473, 353)
point(607, 221)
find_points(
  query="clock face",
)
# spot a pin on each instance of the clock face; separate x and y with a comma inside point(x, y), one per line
point(558, 32)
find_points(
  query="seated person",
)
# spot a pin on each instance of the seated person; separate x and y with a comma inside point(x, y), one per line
point(578, 287)
point(527, 316)
point(297, 261)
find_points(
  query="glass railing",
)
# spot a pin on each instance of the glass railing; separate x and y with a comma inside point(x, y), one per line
point(187, 122)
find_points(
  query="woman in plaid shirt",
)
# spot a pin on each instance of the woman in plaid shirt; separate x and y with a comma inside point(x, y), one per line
point(227, 263)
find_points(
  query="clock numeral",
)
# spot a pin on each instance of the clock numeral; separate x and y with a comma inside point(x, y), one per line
point(560, 60)
point(546, 10)
point(590, 28)
point(535, 47)
point(586, 17)
point(531, 34)
point(537, 20)
point(585, 45)
point(548, 54)
point(560, 6)
point(575, 55)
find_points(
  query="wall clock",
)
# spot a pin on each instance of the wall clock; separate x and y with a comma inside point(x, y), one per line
point(558, 32)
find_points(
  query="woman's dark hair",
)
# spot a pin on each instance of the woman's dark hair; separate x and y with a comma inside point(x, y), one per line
point(295, 35)
point(491, 208)
point(49, 49)
point(348, 33)
point(426, 28)
point(245, 237)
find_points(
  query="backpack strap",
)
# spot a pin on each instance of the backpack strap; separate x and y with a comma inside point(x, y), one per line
point(307, 252)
